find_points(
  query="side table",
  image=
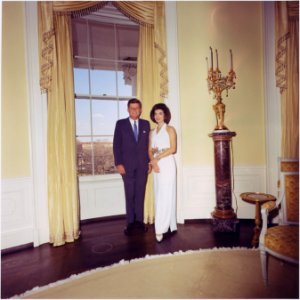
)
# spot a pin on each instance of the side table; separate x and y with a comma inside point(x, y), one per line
point(258, 199)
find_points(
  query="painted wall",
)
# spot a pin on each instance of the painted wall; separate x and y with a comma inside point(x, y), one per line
point(222, 25)
point(14, 110)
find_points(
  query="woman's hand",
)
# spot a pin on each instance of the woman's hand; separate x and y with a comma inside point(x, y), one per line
point(149, 168)
point(154, 164)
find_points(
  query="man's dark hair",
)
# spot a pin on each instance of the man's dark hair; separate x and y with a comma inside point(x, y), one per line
point(134, 100)
point(164, 108)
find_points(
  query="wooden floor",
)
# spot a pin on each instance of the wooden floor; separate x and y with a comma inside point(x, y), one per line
point(104, 243)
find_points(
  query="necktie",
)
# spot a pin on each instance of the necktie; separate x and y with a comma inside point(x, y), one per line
point(135, 131)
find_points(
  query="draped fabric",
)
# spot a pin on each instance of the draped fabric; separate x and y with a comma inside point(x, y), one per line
point(148, 91)
point(56, 78)
point(145, 13)
point(287, 74)
point(63, 200)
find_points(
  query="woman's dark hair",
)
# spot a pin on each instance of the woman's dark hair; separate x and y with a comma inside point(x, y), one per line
point(164, 108)
point(134, 100)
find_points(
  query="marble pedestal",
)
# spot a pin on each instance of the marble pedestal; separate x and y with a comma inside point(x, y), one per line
point(224, 217)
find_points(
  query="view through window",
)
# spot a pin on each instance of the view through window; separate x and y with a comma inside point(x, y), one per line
point(105, 47)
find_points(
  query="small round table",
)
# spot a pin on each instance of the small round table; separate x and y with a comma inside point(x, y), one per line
point(257, 199)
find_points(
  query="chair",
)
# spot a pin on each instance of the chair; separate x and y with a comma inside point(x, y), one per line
point(282, 241)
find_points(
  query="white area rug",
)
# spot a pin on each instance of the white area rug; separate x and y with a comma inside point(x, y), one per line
point(216, 273)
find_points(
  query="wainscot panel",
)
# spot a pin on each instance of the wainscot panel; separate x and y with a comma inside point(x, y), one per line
point(199, 190)
point(101, 196)
point(17, 225)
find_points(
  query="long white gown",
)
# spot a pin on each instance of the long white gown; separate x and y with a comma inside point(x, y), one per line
point(164, 184)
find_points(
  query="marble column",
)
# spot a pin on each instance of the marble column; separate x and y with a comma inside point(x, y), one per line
point(224, 217)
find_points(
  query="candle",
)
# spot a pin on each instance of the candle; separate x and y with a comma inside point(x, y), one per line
point(211, 58)
point(231, 60)
point(217, 59)
point(207, 63)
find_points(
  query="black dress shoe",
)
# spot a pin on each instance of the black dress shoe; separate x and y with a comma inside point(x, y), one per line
point(128, 229)
point(141, 226)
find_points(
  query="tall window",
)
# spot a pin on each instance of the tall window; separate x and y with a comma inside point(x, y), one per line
point(105, 46)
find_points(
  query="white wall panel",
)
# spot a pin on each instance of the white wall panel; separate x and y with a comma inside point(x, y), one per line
point(101, 198)
point(199, 190)
point(17, 226)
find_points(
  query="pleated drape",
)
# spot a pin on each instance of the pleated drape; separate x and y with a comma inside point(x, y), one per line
point(63, 200)
point(56, 78)
point(148, 91)
point(287, 74)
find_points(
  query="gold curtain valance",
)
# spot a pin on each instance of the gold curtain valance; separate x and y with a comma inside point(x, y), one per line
point(145, 13)
point(282, 34)
point(285, 13)
point(293, 9)
point(287, 74)
point(69, 7)
point(141, 12)
point(78, 8)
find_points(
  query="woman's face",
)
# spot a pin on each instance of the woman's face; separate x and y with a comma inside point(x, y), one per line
point(159, 116)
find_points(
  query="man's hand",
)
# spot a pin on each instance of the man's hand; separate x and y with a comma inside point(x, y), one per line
point(121, 169)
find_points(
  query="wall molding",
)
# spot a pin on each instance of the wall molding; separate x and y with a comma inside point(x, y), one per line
point(272, 100)
point(17, 226)
point(173, 100)
point(199, 190)
point(38, 127)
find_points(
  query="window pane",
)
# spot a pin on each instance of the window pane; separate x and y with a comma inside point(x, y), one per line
point(123, 113)
point(84, 156)
point(83, 117)
point(105, 115)
point(107, 67)
point(103, 79)
point(79, 37)
point(127, 80)
point(81, 79)
point(102, 39)
point(103, 155)
point(128, 41)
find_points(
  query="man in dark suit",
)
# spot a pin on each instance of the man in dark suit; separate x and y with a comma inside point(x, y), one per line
point(130, 146)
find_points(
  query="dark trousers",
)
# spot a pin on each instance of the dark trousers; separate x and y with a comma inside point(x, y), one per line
point(135, 185)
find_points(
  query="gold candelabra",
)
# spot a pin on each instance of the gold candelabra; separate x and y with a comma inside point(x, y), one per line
point(218, 83)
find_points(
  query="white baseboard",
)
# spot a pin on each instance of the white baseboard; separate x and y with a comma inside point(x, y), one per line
point(199, 190)
point(17, 224)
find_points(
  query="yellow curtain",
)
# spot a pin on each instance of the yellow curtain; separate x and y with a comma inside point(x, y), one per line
point(148, 91)
point(287, 74)
point(63, 200)
point(56, 78)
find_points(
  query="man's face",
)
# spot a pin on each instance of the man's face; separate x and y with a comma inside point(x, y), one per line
point(134, 111)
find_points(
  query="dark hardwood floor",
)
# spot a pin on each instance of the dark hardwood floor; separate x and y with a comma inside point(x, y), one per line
point(104, 243)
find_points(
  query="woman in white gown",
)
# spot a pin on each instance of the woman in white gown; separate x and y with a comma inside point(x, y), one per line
point(162, 147)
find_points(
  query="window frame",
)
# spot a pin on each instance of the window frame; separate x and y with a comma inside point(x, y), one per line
point(90, 97)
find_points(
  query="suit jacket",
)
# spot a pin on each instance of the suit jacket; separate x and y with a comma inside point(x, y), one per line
point(127, 151)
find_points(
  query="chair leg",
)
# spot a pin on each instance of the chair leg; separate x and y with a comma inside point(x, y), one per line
point(264, 265)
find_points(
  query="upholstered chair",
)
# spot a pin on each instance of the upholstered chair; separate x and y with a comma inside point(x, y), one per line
point(282, 240)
